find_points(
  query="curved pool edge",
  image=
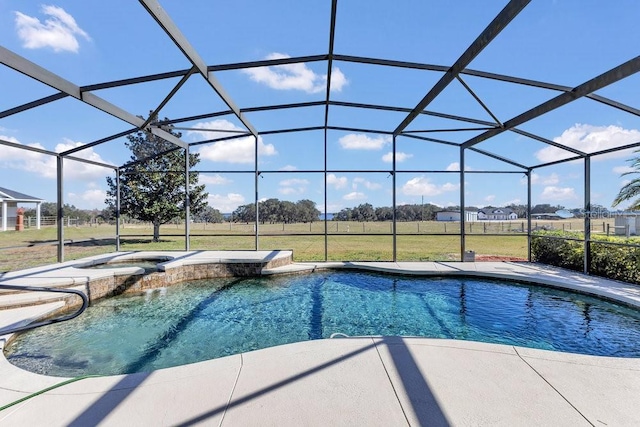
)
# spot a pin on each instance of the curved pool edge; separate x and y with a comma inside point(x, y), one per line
point(364, 380)
point(525, 272)
point(597, 388)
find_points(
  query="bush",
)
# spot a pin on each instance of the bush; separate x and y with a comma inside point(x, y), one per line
point(607, 260)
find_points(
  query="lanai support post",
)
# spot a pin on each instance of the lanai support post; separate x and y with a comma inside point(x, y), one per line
point(394, 219)
point(587, 215)
point(326, 224)
point(118, 189)
point(529, 215)
point(60, 211)
point(38, 215)
point(462, 207)
point(187, 203)
point(257, 175)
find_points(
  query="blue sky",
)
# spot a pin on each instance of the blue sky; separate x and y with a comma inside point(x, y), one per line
point(564, 42)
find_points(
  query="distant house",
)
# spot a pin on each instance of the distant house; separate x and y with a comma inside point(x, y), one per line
point(496, 214)
point(455, 216)
point(10, 200)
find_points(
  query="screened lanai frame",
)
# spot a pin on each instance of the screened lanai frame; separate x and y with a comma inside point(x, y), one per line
point(449, 73)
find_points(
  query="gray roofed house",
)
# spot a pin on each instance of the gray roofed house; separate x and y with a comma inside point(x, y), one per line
point(10, 200)
point(500, 214)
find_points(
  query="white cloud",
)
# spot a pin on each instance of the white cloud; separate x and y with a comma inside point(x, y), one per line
point(45, 165)
point(553, 193)
point(358, 141)
point(551, 179)
point(295, 76)
point(400, 157)
point(624, 182)
point(293, 186)
point(422, 186)
point(89, 199)
point(623, 169)
point(450, 187)
point(490, 198)
point(589, 138)
point(455, 166)
point(367, 184)
point(289, 168)
point(239, 150)
point(214, 129)
point(541, 179)
point(59, 31)
point(355, 195)
point(226, 203)
point(337, 182)
point(209, 179)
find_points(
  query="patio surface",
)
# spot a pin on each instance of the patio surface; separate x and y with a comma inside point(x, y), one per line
point(384, 381)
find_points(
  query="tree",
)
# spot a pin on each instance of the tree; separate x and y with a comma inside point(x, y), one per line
point(631, 190)
point(209, 214)
point(152, 185)
point(307, 210)
point(244, 213)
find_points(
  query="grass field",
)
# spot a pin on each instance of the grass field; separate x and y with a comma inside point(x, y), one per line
point(353, 241)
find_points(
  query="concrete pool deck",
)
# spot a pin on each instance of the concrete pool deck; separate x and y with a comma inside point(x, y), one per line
point(343, 381)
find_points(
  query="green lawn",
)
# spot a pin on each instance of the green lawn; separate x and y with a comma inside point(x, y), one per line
point(354, 241)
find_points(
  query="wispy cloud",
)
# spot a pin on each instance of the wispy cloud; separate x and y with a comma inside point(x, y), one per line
point(455, 166)
point(367, 184)
point(337, 182)
point(358, 141)
point(355, 195)
point(216, 179)
point(88, 199)
point(623, 169)
point(400, 157)
point(59, 31)
point(239, 150)
point(295, 76)
point(589, 139)
point(553, 193)
point(226, 203)
point(293, 186)
point(45, 165)
point(422, 186)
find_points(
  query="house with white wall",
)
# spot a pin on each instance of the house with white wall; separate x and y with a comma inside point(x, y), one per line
point(10, 200)
point(496, 214)
point(470, 216)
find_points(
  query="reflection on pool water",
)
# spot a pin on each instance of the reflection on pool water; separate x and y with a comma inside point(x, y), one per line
point(207, 319)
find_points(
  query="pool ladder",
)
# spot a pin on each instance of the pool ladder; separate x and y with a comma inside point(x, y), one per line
point(12, 330)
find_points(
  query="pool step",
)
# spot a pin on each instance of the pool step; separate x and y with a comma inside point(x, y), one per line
point(289, 269)
point(17, 299)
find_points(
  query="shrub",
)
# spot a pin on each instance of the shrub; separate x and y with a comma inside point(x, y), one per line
point(607, 260)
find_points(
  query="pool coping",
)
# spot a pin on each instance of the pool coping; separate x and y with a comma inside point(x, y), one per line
point(573, 384)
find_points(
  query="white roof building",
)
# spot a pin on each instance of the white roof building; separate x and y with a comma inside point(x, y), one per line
point(10, 200)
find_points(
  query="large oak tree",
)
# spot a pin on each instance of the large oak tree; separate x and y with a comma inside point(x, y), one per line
point(152, 184)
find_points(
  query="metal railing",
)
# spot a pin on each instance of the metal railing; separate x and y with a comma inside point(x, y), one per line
point(12, 330)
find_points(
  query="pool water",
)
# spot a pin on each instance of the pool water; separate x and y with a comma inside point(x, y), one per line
point(147, 265)
point(203, 320)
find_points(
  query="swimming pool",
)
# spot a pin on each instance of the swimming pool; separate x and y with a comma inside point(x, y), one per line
point(202, 320)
